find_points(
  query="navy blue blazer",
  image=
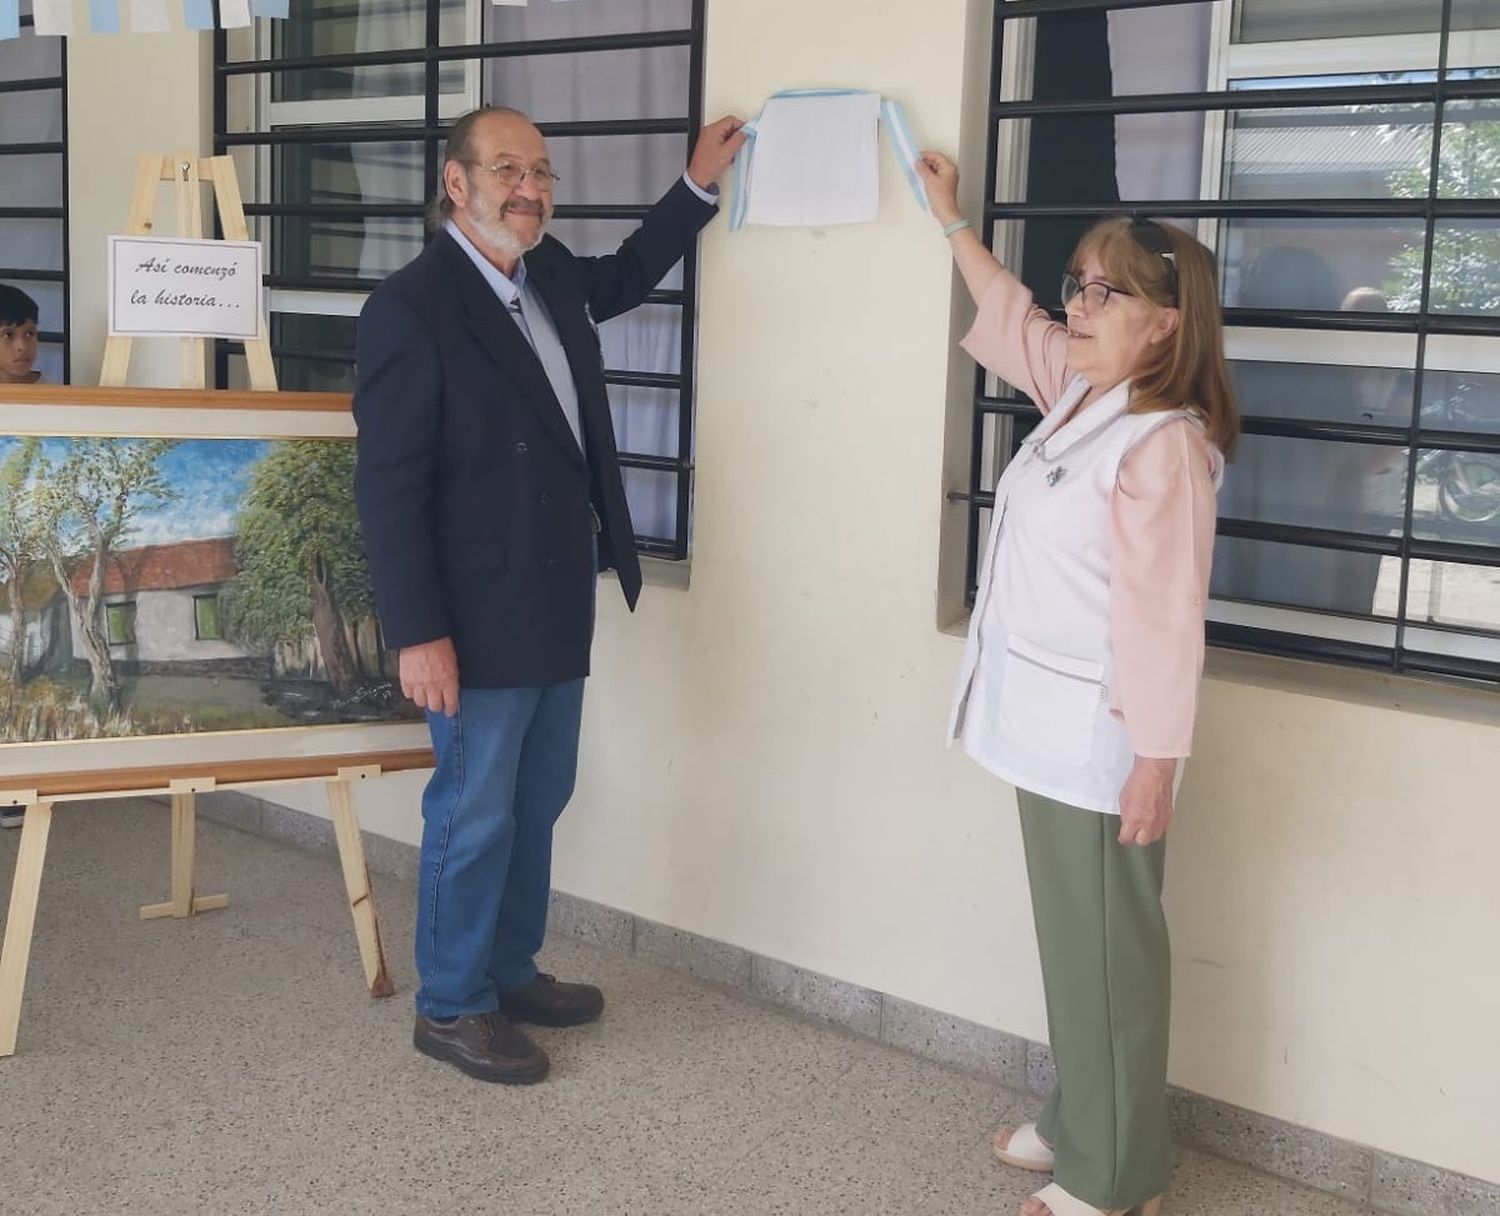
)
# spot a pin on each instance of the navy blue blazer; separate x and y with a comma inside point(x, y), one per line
point(473, 494)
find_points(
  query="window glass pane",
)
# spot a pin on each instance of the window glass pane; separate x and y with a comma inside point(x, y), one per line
point(1460, 597)
point(342, 27)
point(1465, 270)
point(645, 419)
point(1461, 401)
point(362, 248)
point(346, 173)
point(1287, 20)
point(652, 496)
point(206, 616)
point(1327, 265)
point(1457, 497)
point(1346, 152)
point(29, 58)
point(1159, 159)
point(31, 181)
point(650, 83)
point(49, 361)
point(314, 354)
point(31, 244)
point(1303, 576)
point(592, 238)
point(1317, 483)
point(1319, 392)
point(647, 339)
point(507, 23)
point(34, 116)
point(1470, 165)
point(628, 169)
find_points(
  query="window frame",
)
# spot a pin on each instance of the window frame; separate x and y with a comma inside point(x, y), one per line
point(198, 635)
point(1434, 342)
point(128, 609)
point(426, 118)
point(63, 276)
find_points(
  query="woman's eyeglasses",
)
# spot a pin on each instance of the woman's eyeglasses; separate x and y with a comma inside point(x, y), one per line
point(1095, 295)
point(1151, 237)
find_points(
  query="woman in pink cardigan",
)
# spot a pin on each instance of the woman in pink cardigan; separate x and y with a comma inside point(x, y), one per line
point(1079, 682)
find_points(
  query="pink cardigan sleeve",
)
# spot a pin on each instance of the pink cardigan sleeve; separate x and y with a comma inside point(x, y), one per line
point(1162, 517)
point(1019, 342)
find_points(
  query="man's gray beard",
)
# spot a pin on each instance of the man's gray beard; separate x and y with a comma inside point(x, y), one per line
point(503, 239)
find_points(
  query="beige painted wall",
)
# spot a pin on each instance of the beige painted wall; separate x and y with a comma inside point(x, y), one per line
point(126, 95)
point(763, 757)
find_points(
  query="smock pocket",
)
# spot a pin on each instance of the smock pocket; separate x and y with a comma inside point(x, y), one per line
point(1049, 702)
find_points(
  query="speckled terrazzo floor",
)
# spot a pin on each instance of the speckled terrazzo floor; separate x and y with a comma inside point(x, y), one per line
point(231, 1064)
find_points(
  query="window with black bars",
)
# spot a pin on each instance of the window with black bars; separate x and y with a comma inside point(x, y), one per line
point(1342, 160)
point(337, 116)
point(34, 185)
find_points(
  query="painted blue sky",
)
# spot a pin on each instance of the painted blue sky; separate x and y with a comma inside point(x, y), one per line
point(210, 475)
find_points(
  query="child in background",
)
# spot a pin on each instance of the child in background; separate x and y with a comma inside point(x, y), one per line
point(18, 316)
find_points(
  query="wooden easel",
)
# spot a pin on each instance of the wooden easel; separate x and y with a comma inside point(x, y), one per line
point(187, 173)
point(243, 775)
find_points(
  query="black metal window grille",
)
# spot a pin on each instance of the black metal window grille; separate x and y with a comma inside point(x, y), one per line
point(1286, 581)
point(297, 115)
point(34, 185)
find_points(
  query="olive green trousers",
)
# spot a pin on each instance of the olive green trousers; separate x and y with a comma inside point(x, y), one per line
point(1107, 973)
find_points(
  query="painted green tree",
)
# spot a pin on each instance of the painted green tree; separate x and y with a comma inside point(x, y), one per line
point(302, 571)
point(20, 543)
point(86, 505)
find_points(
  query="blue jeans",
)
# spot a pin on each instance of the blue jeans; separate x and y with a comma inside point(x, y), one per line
point(506, 763)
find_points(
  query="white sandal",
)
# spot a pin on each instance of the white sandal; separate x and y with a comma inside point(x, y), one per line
point(1060, 1203)
point(1026, 1150)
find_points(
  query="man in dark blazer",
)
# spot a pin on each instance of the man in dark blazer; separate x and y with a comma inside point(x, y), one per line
point(490, 495)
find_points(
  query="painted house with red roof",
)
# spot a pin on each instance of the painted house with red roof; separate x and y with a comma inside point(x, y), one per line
point(162, 611)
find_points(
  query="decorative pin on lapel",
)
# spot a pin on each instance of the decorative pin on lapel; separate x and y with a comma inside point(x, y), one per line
point(1056, 475)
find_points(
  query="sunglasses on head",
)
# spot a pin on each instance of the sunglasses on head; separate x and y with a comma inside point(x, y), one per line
point(1153, 238)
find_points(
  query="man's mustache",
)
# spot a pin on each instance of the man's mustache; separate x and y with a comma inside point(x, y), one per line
point(522, 207)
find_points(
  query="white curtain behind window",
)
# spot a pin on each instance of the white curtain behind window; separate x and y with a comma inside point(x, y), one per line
point(1159, 50)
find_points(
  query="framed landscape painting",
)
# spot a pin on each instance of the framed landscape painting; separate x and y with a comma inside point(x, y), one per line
point(182, 578)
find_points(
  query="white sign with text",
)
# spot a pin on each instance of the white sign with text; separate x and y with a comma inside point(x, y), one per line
point(172, 288)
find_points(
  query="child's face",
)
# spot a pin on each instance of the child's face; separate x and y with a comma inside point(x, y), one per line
point(17, 351)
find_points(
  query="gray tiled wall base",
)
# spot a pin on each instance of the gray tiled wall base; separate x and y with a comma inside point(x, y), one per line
point(1352, 1171)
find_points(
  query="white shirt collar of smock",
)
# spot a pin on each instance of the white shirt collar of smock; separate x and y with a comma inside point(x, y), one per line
point(507, 290)
point(1059, 430)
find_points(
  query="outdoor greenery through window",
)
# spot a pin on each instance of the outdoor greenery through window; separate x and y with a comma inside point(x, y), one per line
point(1342, 159)
point(336, 118)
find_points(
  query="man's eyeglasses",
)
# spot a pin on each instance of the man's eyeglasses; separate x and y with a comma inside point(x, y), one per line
point(510, 174)
point(1095, 295)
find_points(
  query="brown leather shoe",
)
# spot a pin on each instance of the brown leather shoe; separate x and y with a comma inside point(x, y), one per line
point(545, 1002)
point(484, 1045)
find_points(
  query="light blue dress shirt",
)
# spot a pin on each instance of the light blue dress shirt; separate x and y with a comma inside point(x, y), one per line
point(524, 303)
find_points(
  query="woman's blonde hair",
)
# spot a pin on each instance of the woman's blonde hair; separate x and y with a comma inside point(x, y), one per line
point(1187, 371)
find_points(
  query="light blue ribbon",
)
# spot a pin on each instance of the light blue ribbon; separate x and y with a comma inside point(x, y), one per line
point(104, 16)
point(892, 114)
point(10, 18)
point(198, 14)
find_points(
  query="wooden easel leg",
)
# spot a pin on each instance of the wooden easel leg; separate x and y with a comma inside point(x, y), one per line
point(232, 220)
point(149, 171)
point(357, 883)
point(184, 902)
point(16, 953)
